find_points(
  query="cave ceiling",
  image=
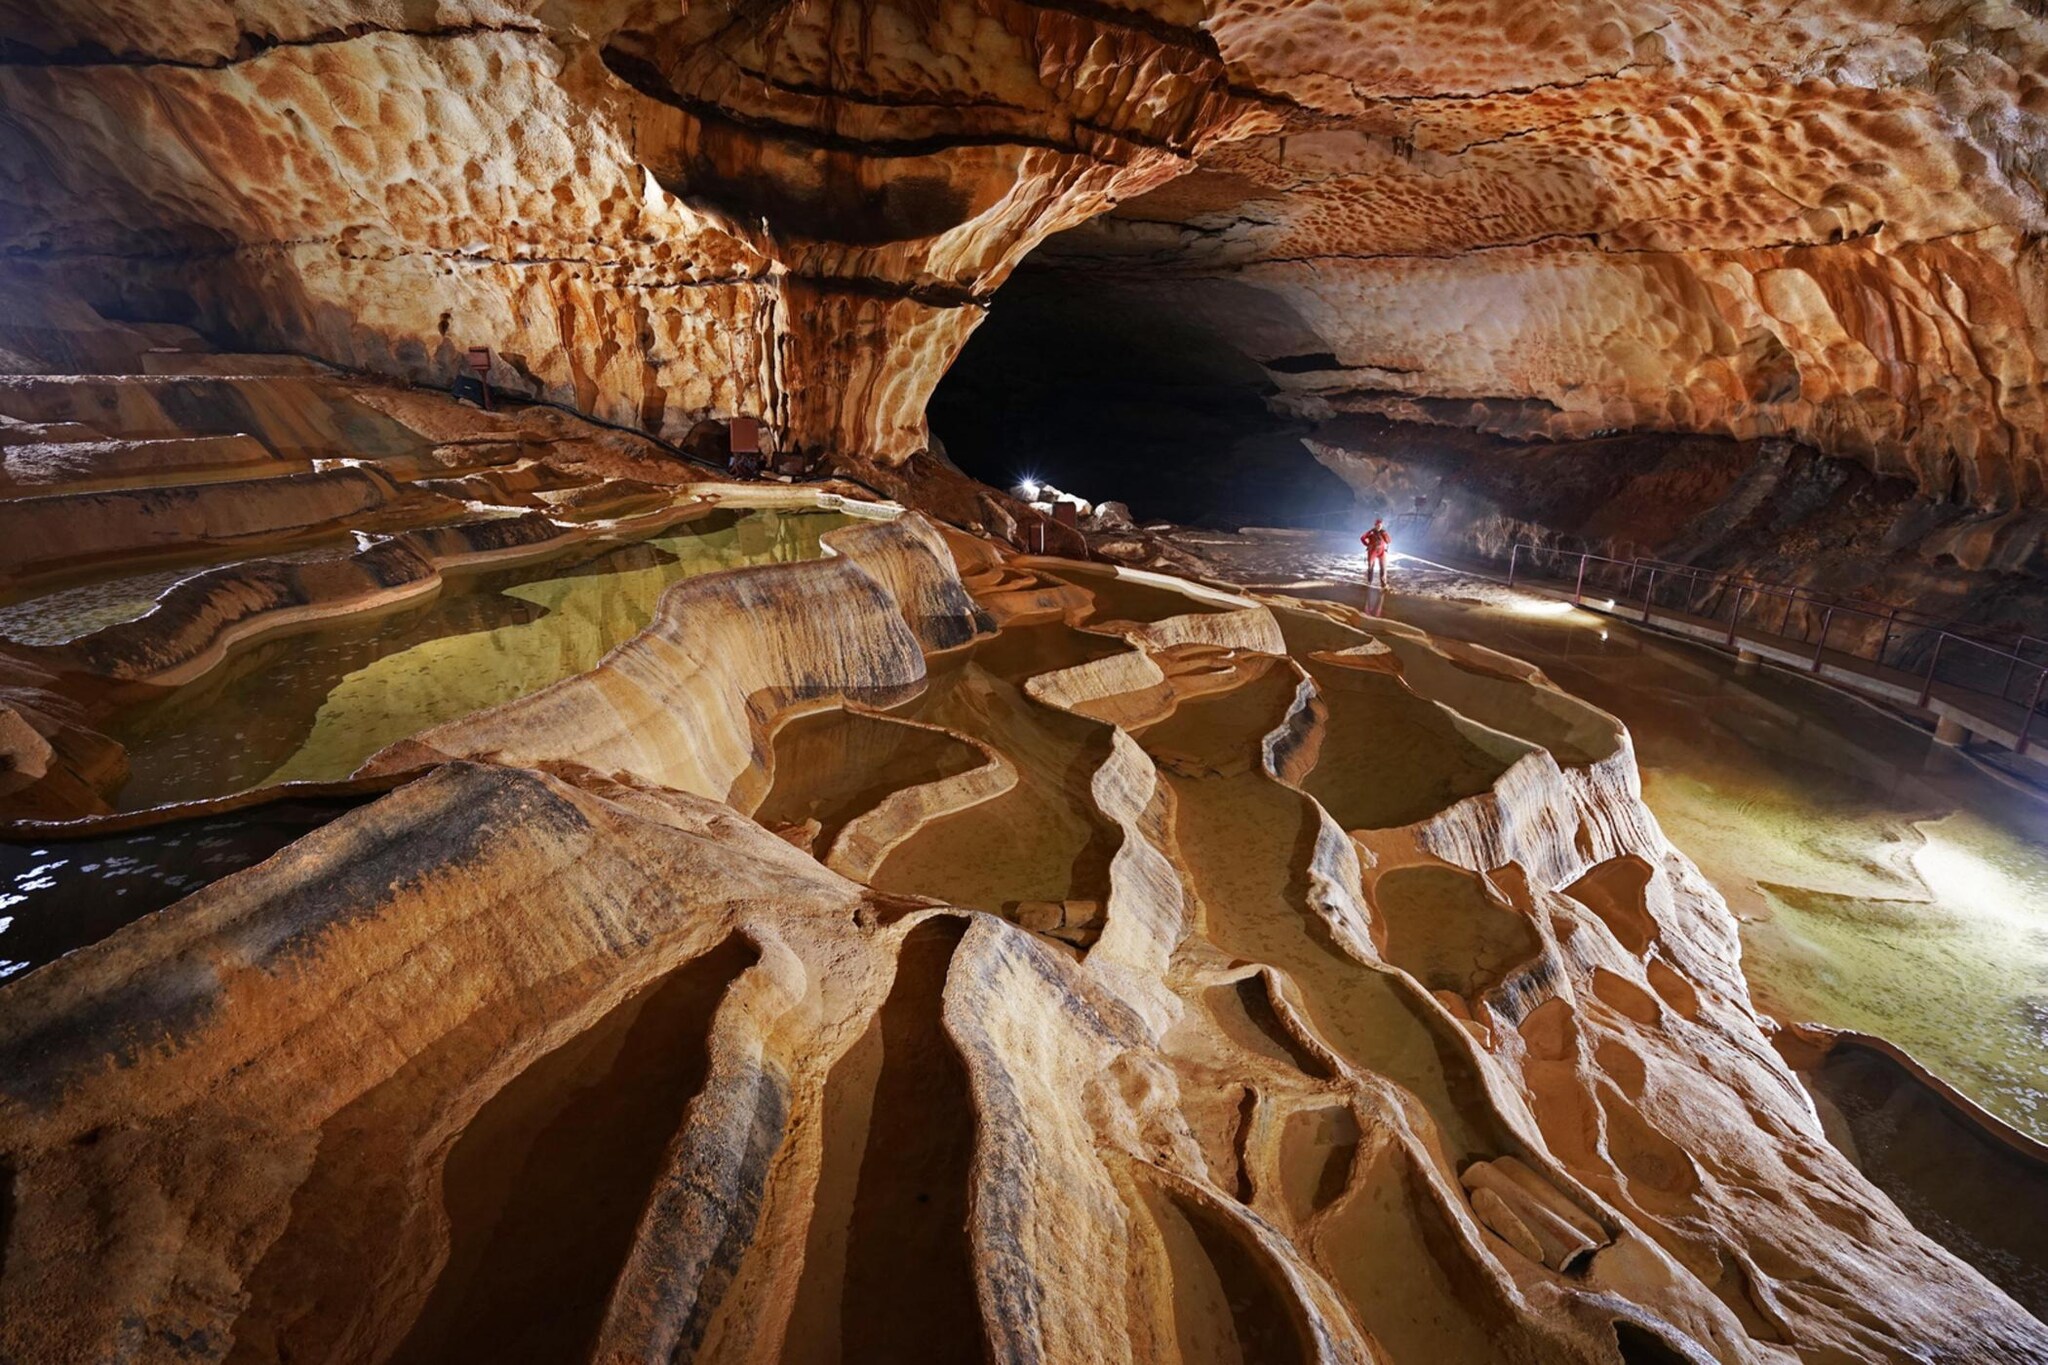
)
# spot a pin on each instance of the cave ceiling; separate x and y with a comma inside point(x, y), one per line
point(1816, 221)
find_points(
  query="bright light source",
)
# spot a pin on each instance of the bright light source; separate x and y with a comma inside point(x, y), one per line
point(1603, 634)
point(1540, 606)
point(1607, 605)
point(1961, 876)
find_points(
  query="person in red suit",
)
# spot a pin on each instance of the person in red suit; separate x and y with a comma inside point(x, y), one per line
point(1376, 542)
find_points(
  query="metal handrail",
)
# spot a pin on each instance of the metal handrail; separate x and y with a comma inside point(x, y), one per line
point(1647, 571)
point(1721, 581)
point(1919, 619)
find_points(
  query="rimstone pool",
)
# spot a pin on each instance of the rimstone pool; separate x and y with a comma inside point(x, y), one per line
point(312, 705)
point(1884, 884)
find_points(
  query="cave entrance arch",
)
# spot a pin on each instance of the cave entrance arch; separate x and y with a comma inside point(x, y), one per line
point(1114, 388)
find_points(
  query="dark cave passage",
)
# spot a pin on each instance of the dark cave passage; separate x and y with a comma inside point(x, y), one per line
point(1109, 391)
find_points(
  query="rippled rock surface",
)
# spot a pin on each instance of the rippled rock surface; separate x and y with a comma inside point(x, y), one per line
point(875, 945)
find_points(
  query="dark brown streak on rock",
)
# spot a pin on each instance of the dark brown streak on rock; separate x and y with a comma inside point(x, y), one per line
point(936, 103)
point(1591, 241)
point(879, 99)
point(1196, 40)
point(351, 869)
point(13, 52)
point(726, 1190)
point(228, 250)
point(649, 82)
point(1002, 1197)
point(1426, 400)
point(931, 295)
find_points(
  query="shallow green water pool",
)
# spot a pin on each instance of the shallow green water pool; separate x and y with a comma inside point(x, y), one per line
point(313, 705)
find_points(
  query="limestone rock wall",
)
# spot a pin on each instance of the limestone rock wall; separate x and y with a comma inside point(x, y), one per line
point(1820, 224)
point(795, 213)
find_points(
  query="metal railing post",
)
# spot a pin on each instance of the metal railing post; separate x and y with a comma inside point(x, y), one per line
point(1579, 588)
point(2027, 725)
point(1735, 617)
point(1693, 597)
point(1886, 643)
point(1785, 622)
point(1649, 596)
point(1825, 621)
point(1933, 662)
point(1514, 556)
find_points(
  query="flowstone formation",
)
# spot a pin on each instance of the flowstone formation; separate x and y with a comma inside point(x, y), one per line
point(601, 914)
point(899, 949)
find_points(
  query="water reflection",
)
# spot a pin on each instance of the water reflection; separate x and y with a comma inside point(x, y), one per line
point(68, 613)
point(313, 705)
point(59, 895)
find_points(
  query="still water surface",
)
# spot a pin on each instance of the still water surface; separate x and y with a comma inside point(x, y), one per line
point(311, 706)
point(314, 704)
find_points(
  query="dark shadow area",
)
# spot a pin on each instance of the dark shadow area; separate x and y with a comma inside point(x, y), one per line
point(7, 1200)
point(545, 1187)
point(1113, 393)
point(909, 1290)
point(1640, 1346)
point(1229, 1303)
point(1984, 1200)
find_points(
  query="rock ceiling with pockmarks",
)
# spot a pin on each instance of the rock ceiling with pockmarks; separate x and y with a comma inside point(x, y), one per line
point(1815, 221)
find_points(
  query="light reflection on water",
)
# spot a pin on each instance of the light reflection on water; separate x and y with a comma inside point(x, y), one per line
point(57, 895)
point(312, 706)
point(67, 613)
point(1885, 884)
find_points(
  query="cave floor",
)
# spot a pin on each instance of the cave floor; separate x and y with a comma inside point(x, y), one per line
point(1883, 883)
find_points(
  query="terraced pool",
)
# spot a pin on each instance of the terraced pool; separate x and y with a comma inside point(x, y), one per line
point(311, 706)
